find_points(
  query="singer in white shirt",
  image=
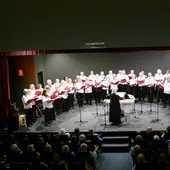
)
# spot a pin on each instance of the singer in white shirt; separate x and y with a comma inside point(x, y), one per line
point(70, 94)
point(97, 87)
point(123, 82)
point(159, 79)
point(141, 86)
point(27, 107)
point(167, 91)
point(150, 83)
point(88, 91)
point(133, 85)
point(49, 113)
point(105, 88)
point(79, 86)
point(64, 96)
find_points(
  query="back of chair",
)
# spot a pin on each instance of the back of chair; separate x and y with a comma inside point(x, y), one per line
point(21, 166)
point(93, 139)
point(144, 166)
point(64, 139)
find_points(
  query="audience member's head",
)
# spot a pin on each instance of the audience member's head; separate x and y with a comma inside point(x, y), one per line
point(77, 131)
point(47, 148)
point(139, 138)
point(91, 132)
point(137, 148)
point(82, 138)
point(30, 148)
point(149, 130)
point(65, 148)
point(73, 138)
point(14, 148)
point(168, 129)
point(83, 147)
point(62, 132)
point(162, 158)
point(156, 138)
point(141, 158)
point(56, 158)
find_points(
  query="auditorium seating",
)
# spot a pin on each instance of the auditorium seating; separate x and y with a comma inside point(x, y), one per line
point(17, 151)
point(148, 152)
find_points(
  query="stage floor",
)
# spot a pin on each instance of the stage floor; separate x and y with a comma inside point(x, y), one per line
point(141, 122)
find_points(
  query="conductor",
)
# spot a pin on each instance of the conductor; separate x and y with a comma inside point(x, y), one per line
point(115, 109)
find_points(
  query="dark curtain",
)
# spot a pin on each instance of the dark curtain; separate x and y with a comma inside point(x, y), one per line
point(4, 91)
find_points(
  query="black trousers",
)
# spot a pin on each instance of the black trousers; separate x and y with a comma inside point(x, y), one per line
point(88, 97)
point(65, 107)
point(98, 95)
point(159, 94)
point(48, 115)
point(167, 98)
point(141, 92)
point(29, 116)
point(150, 94)
point(57, 106)
point(120, 88)
point(71, 100)
point(80, 99)
point(103, 94)
point(133, 91)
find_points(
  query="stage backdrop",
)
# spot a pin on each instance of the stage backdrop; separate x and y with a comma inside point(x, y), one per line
point(60, 65)
point(41, 25)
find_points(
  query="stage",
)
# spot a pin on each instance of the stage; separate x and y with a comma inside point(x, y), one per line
point(140, 122)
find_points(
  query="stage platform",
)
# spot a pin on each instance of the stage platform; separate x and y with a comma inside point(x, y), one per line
point(139, 123)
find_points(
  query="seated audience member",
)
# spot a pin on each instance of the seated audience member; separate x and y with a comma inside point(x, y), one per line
point(82, 139)
point(63, 132)
point(58, 164)
point(89, 158)
point(39, 144)
point(135, 151)
point(31, 155)
point(139, 141)
point(15, 154)
point(162, 158)
point(77, 133)
point(73, 144)
point(141, 158)
point(25, 142)
point(47, 155)
point(67, 155)
point(157, 143)
point(99, 139)
point(166, 135)
point(149, 136)
point(3, 165)
point(55, 143)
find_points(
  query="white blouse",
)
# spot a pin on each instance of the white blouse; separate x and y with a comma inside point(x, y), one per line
point(46, 104)
point(24, 101)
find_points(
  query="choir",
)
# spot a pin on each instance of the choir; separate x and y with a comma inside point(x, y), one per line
point(60, 96)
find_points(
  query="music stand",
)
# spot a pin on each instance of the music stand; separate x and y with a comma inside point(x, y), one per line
point(141, 103)
point(133, 111)
point(157, 116)
point(105, 114)
point(80, 121)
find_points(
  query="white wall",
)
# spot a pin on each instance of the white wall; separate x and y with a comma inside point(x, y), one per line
point(60, 24)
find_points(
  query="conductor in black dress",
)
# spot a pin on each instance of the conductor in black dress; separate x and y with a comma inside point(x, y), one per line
point(115, 109)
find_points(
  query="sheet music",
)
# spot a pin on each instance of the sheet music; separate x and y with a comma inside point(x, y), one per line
point(131, 97)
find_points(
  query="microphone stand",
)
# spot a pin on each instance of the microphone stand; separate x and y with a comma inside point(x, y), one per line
point(157, 116)
point(97, 113)
point(150, 93)
point(141, 103)
point(80, 121)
